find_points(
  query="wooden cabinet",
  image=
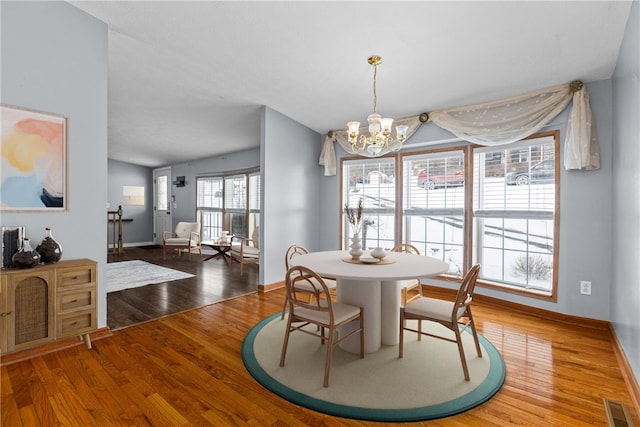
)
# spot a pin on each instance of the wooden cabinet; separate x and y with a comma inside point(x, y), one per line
point(46, 303)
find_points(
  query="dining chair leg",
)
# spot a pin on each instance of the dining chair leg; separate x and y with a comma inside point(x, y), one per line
point(317, 295)
point(327, 363)
point(361, 333)
point(286, 342)
point(463, 359)
point(401, 337)
point(419, 330)
point(284, 307)
point(474, 332)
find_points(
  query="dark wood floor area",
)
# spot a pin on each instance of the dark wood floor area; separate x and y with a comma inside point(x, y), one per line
point(214, 280)
point(186, 369)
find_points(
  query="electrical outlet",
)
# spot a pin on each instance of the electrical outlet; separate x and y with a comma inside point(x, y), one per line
point(585, 287)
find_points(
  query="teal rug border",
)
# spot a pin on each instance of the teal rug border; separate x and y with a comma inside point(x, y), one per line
point(482, 393)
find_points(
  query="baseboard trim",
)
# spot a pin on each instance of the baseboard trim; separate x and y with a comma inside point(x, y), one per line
point(19, 356)
point(270, 287)
point(625, 368)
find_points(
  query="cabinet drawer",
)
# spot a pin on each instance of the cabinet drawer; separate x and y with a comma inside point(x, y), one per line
point(75, 276)
point(75, 323)
point(81, 299)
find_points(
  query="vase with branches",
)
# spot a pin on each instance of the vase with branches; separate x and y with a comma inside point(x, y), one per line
point(355, 219)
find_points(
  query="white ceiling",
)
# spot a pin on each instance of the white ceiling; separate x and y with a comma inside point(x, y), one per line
point(187, 79)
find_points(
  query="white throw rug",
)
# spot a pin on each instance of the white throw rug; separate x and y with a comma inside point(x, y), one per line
point(133, 274)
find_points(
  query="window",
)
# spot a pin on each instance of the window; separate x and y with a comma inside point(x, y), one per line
point(497, 206)
point(373, 181)
point(225, 203)
point(209, 206)
point(162, 189)
point(254, 203)
point(433, 205)
point(515, 213)
point(235, 204)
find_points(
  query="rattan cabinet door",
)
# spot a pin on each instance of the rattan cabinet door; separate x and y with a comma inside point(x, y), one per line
point(29, 312)
point(3, 314)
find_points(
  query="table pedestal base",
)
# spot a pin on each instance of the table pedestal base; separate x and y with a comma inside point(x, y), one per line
point(380, 301)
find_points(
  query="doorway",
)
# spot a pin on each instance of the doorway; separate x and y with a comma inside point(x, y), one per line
point(162, 220)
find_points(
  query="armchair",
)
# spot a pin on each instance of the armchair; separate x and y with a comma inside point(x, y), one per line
point(244, 250)
point(186, 236)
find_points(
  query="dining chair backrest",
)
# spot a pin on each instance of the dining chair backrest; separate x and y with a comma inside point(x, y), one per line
point(406, 247)
point(292, 251)
point(298, 281)
point(465, 292)
point(412, 284)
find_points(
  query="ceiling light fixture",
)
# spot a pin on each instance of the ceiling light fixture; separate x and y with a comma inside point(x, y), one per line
point(379, 128)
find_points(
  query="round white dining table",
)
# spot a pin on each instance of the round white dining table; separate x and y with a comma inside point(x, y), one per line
point(374, 287)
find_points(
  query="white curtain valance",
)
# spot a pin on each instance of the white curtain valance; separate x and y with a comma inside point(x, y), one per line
point(328, 157)
point(509, 120)
point(505, 120)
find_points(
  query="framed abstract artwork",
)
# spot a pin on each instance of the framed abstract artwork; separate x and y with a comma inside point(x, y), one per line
point(133, 195)
point(33, 164)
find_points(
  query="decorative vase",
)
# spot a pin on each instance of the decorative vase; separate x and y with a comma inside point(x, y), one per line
point(26, 257)
point(49, 249)
point(356, 247)
point(378, 253)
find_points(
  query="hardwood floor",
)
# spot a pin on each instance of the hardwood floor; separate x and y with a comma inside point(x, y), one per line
point(186, 369)
point(214, 281)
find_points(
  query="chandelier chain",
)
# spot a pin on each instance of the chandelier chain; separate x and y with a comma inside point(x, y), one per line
point(375, 94)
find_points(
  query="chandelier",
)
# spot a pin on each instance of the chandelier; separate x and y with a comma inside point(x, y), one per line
point(379, 137)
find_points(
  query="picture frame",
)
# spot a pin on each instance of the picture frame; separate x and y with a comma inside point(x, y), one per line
point(133, 195)
point(33, 172)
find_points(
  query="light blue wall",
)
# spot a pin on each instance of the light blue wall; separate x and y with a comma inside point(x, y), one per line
point(585, 217)
point(54, 59)
point(185, 197)
point(140, 230)
point(625, 293)
point(291, 205)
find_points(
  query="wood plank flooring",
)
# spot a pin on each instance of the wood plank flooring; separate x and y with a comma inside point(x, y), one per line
point(214, 281)
point(186, 369)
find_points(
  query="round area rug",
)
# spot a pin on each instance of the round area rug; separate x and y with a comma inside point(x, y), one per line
point(427, 383)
